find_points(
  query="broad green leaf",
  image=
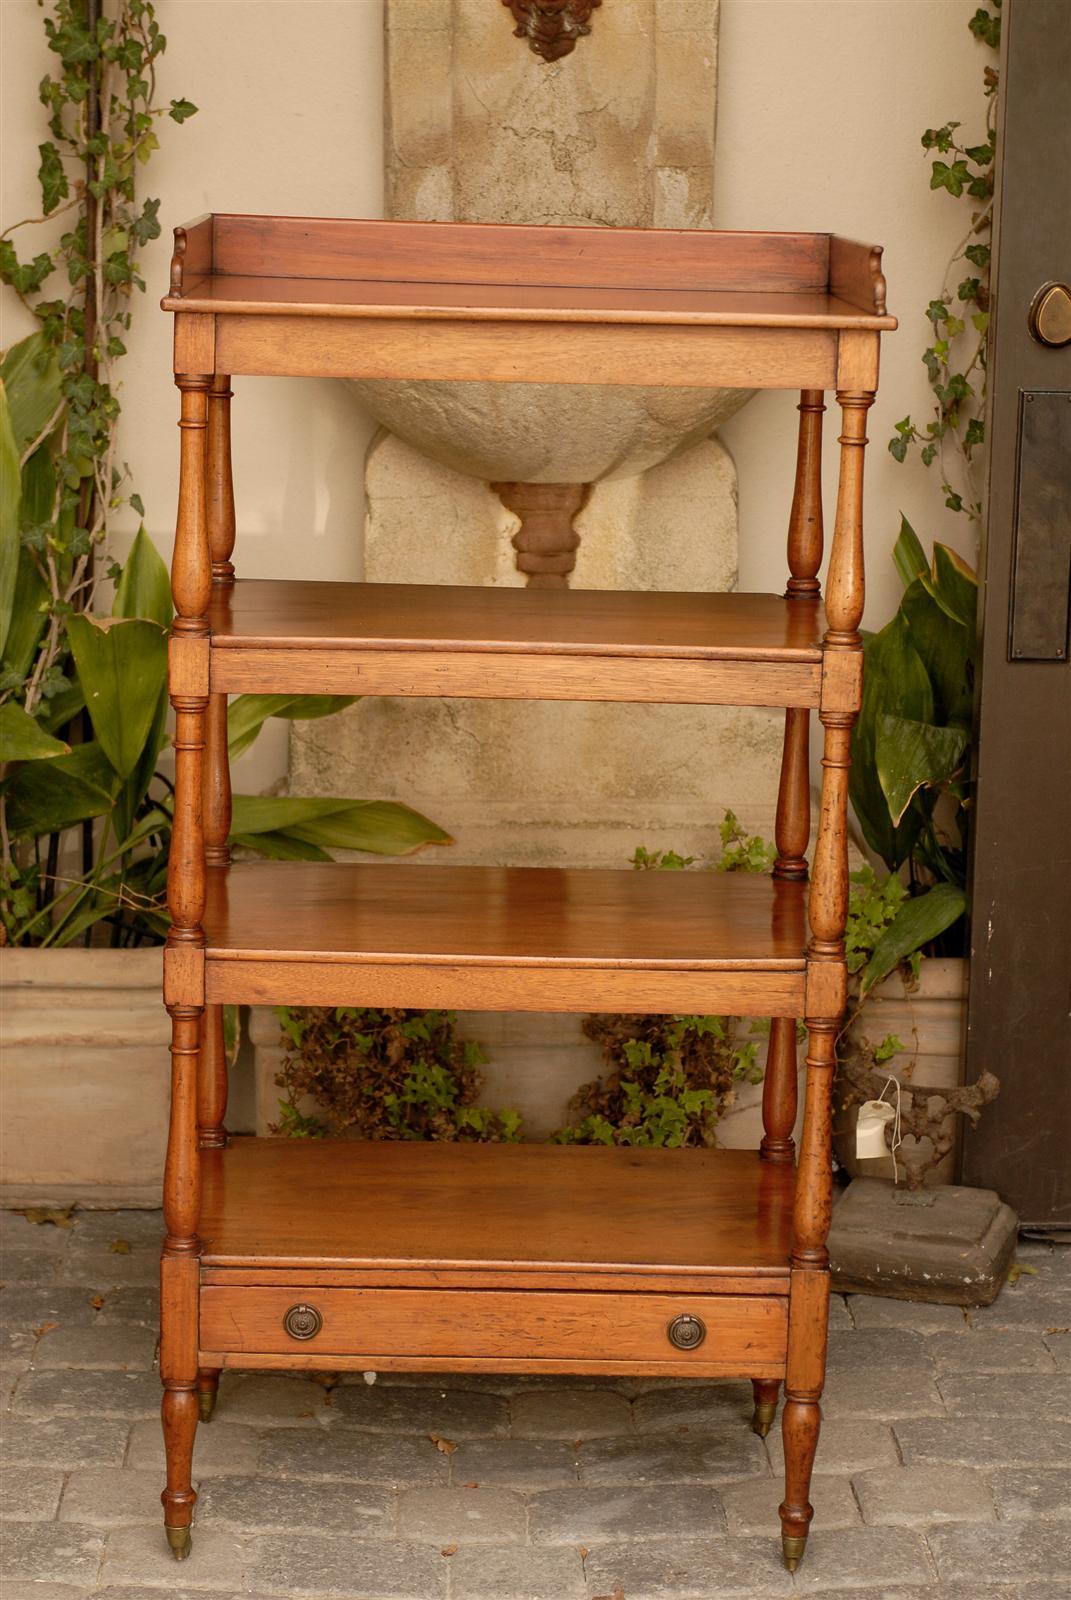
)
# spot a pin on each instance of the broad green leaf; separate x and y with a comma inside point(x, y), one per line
point(896, 683)
point(280, 847)
point(248, 714)
point(917, 922)
point(122, 667)
point(48, 796)
point(913, 755)
point(23, 739)
point(28, 620)
point(62, 708)
point(908, 554)
point(144, 589)
point(954, 585)
point(32, 378)
point(381, 827)
point(10, 495)
point(947, 651)
point(38, 488)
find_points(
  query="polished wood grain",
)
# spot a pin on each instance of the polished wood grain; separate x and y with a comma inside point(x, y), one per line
point(744, 1335)
point(485, 1258)
point(544, 939)
point(273, 637)
point(340, 248)
point(674, 353)
point(524, 1211)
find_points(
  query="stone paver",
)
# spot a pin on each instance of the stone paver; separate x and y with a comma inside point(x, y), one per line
point(515, 1573)
point(844, 1446)
point(89, 1394)
point(106, 1497)
point(751, 1506)
point(219, 1561)
point(63, 1442)
point(461, 1516)
point(29, 1495)
point(123, 1349)
point(451, 1413)
point(273, 1400)
point(729, 1569)
point(913, 1497)
point(985, 1441)
point(1025, 1492)
point(869, 1557)
point(1006, 1552)
point(880, 1392)
point(52, 1551)
point(358, 1457)
point(570, 1414)
point(1009, 1395)
point(221, 1447)
point(695, 1409)
point(943, 1470)
point(600, 1516)
point(341, 1569)
point(259, 1504)
point(672, 1460)
point(529, 1464)
point(875, 1311)
point(1059, 1347)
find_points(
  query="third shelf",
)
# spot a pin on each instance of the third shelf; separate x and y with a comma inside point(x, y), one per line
point(504, 938)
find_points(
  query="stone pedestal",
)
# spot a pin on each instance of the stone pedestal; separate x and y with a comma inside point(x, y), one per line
point(951, 1245)
point(618, 132)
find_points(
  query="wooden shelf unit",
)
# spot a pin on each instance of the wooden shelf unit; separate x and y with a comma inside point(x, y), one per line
point(459, 1258)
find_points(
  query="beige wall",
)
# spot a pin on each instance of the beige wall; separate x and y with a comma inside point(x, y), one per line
point(821, 103)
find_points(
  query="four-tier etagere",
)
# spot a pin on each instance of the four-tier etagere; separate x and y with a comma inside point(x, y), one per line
point(464, 1258)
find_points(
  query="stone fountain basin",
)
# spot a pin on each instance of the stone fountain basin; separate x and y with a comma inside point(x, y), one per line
point(547, 432)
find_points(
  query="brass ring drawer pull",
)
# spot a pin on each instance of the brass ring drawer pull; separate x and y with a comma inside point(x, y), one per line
point(687, 1332)
point(303, 1322)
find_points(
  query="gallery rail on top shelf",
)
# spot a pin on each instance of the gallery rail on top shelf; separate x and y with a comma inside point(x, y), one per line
point(535, 1258)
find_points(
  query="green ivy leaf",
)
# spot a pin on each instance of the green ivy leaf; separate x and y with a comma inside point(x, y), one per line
point(52, 177)
point(953, 177)
point(181, 109)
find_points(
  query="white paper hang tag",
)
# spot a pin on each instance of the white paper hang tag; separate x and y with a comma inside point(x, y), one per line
point(874, 1118)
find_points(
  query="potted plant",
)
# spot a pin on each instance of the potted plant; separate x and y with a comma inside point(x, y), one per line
point(911, 793)
point(85, 797)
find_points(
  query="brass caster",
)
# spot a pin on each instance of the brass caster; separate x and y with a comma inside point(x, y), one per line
point(762, 1420)
point(206, 1404)
point(793, 1550)
point(181, 1542)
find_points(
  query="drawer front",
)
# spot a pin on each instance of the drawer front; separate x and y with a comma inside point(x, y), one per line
point(736, 1333)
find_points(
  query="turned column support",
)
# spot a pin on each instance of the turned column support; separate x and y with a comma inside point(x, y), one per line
point(220, 527)
point(828, 907)
point(546, 541)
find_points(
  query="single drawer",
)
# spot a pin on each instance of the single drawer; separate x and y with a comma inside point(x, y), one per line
point(715, 1334)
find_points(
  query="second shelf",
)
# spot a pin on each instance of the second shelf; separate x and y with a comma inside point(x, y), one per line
point(504, 938)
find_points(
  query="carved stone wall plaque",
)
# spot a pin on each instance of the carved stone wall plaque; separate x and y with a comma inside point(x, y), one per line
point(552, 27)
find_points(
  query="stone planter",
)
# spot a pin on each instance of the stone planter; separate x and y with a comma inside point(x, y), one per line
point(536, 1062)
point(85, 1075)
point(931, 1021)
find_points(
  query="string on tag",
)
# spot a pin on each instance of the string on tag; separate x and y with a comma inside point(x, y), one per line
point(897, 1136)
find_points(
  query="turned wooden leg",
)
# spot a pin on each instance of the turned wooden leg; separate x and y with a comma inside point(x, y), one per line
point(179, 1413)
point(184, 971)
point(766, 1391)
point(207, 1391)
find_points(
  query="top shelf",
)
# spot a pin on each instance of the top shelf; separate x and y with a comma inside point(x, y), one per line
point(307, 266)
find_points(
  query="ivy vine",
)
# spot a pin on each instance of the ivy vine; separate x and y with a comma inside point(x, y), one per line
point(102, 117)
point(955, 358)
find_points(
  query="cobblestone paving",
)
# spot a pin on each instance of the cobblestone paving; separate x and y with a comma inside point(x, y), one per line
point(944, 1471)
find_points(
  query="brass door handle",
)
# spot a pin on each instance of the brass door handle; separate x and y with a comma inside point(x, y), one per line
point(303, 1322)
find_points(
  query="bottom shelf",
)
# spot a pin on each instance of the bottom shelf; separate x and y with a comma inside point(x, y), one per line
point(496, 1258)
